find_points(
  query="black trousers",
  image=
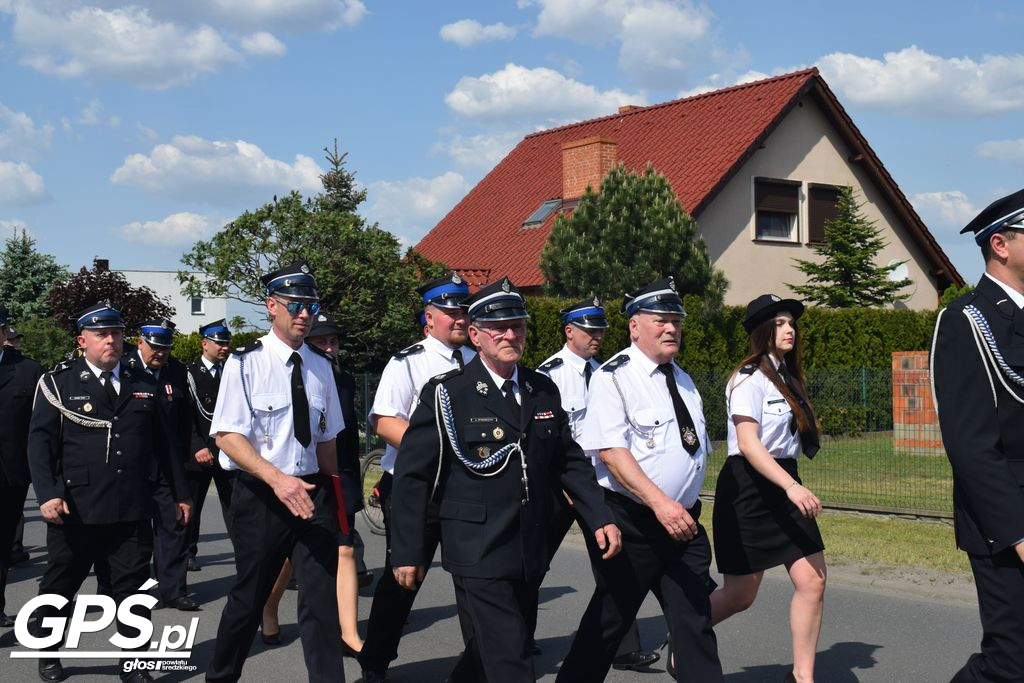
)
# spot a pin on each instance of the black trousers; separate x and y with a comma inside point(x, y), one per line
point(12, 502)
point(559, 523)
point(493, 616)
point(199, 484)
point(170, 545)
point(677, 572)
point(999, 580)
point(264, 533)
point(120, 554)
point(392, 603)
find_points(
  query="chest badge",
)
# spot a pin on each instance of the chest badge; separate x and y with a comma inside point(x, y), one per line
point(498, 433)
point(87, 408)
point(650, 441)
point(84, 375)
point(483, 452)
point(323, 423)
point(689, 436)
point(481, 388)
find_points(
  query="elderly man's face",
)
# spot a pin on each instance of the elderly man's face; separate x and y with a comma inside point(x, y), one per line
point(501, 340)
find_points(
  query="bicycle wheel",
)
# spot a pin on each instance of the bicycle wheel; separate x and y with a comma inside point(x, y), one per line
point(371, 473)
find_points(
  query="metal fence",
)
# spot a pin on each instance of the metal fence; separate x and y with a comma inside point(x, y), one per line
point(881, 449)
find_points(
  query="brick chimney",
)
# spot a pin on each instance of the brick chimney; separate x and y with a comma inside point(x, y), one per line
point(626, 108)
point(585, 162)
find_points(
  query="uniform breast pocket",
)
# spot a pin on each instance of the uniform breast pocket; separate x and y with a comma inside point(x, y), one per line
point(462, 528)
point(654, 423)
point(776, 410)
point(271, 412)
point(144, 405)
point(318, 414)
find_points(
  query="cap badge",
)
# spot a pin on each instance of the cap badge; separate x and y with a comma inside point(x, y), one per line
point(505, 286)
point(163, 324)
point(597, 302)
point(304, 268)
point(498, 433)
point(287, 283)
point(481, 388)
point(321, 318)
point(671, 283)
point(95, 319)
point(456, 280)
point(775, 298)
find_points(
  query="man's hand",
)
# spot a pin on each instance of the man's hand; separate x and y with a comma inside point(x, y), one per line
point(53, 509)
point(609, 539)
point(204, 457)
point(293, 492)
point(676, 520)
point(183, 511)
point(409, 578)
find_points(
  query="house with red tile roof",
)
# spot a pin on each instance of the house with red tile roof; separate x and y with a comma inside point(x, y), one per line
point(758, 165)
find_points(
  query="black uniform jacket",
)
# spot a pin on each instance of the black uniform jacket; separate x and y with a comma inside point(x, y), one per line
point(174, 399)
point(206, 398)
point(18, 377)
point(982, 424)
point(348, 443)
point(486, 530)
point(72, 462)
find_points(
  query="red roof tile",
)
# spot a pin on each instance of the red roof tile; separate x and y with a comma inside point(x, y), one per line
point(696, 142)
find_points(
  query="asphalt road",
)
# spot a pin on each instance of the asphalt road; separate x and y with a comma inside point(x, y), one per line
point(891, 634)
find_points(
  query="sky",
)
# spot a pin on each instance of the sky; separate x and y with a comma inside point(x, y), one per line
point(130, 130)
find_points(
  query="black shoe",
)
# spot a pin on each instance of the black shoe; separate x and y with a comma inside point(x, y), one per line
point(670, 665)
point(790, 678)
point(184, 603)
point(6, 621)
point(137, 677)
point(635, 661)
point(375, 676)
point(365, 578)
point(50, 670)
point(273, 639)
point(292, 585)
point(193, 565)
point(535, 648)
point(19, 557)
point(347, 651)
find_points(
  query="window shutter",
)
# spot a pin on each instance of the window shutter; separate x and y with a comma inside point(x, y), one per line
point(821, 207)
point(774, 195)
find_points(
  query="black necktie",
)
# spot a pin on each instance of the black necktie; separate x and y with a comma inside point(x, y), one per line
point(457, 355)
point(300, 404)
point(809, 438)
point(108, 386)
point(215, 371)
point(587, 372)
point(510, 399)
point(687, 431)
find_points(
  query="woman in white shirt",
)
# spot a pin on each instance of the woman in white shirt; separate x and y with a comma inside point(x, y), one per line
point(764, 516)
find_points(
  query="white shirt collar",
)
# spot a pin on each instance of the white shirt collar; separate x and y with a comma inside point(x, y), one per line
point(434, 344)
point(207, 363)
point(575, 362)
point(96, 371)
point(645, 361)
point(498, 379)
point(280, 349)
point(1016, 297)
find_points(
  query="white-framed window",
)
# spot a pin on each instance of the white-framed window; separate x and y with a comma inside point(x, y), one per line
point(197, 305)
point(776, 210)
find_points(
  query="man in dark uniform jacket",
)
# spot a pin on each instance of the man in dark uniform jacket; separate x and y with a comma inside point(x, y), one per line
point(202, 466)
point(977, 367)
point(18, 377)
point(170, 533)
point(507, 441)
point(97, 435)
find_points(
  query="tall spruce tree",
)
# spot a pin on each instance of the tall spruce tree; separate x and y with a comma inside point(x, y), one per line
point(847, 276)
point(26, 277)
point(624, 236)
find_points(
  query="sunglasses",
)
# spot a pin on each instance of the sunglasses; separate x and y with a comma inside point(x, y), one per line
point(295, 307)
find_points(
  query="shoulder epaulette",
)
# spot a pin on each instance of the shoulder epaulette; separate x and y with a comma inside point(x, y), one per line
point(748, 369)
point(61, 367)
point(319, 351)
point(444, 376)
point(409, 350)
point(251, 346)
point(550, 365)
point(615, 363)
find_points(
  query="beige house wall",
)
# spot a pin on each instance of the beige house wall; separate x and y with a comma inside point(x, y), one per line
point(804, 147)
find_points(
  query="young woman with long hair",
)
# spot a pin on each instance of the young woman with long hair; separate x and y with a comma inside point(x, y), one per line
point(764, 516)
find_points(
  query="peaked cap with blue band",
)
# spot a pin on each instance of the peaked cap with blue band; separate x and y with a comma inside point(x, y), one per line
point(217, 331)
point(497, 301)
point(295, 282)
point(98, 317)
point(158, 332)
point(658, 297)
point(1007, 212)
point(444, 292)
point(586, 314)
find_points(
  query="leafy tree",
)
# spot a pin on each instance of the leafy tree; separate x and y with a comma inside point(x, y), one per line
point(953, 292)
point(628, 234)
point(44, 340)
point(847, 275)
point(88, 287)
point(26, 277)
point(363, 280)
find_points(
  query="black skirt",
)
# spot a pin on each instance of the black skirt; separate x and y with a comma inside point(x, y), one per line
point(755, 525)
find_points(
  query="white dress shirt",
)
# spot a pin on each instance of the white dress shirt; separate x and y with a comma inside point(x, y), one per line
point(1015, 296)
point(756, 397)
point(115, 378)
point(653, 437)
point(403, 379)
point(570, 378)
point(270, 427)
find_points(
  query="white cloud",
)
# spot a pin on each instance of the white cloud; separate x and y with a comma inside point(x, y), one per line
point(914, 81)
point(725, 80)
point(950, 209)
point(467, 32)
point(286, 15)
point(482, 151)
point(124, 43)
point(146, 134)
point(19, 184)
point(216, 171)
point(538, 96)
point(178, 228)
point(263, 44)
point(20, 137)
point(1003, 150)
point(410, 208)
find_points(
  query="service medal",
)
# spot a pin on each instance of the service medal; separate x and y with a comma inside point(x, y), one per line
point(87, 408)
point(650, 441)
point(483, 452)
point(323, 423)
point(689, 436)
point(498, 433)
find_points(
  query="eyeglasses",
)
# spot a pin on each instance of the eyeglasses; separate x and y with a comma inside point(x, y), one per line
point(499, 332)
point(295, 307)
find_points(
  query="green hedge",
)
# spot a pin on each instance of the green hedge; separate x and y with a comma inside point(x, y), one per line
point(188, 347)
